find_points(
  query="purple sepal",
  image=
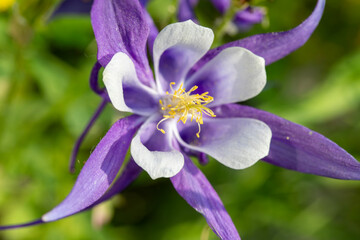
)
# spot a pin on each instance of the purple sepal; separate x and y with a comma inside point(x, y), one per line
point(99, 170)
point(128, 34)
point(221, 5)
point(78, 142)
point(246, 18)
point(73, 7)
point(273, 46)
point(35, 222)
point(130, 173)
point(298, 148)
point(186, 10)
point(192, 185)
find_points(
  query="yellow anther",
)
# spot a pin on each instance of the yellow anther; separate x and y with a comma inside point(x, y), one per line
point(193, 89)
point(181, 104)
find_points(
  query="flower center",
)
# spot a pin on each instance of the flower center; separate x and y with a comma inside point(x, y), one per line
point(181, 104)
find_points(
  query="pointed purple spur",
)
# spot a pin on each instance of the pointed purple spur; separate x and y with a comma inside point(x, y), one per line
point(274, 46)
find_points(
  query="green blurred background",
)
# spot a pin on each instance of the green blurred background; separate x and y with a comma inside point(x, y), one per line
point(45, 102)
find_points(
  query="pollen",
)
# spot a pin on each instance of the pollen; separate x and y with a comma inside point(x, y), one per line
point(182, 105)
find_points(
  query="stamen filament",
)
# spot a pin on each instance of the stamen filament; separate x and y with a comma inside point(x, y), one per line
point(157, 126)
point(181, 103)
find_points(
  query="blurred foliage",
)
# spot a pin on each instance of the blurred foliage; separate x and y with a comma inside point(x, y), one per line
point(45, 102)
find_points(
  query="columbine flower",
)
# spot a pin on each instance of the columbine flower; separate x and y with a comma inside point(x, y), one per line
point(271, 46)
point(177, 109)
point(121, 32)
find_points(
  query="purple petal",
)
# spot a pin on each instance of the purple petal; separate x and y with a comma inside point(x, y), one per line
point(192, 185)
point(194, 40)
point(221, 5)
point(298, 148)
point(273, 46)
point(186, 10)
point(174, 64)
point(99, 171)
point(121, 26)
point(73, 7)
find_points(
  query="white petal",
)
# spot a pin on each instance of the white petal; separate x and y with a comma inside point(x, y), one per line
point(235, 142)
point(126, 92)
point(234, 75)
point(153, 152)
point(186, 34)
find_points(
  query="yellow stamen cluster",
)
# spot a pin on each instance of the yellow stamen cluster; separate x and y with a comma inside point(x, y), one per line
point(182, 104)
